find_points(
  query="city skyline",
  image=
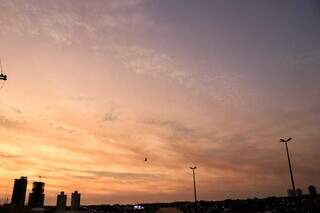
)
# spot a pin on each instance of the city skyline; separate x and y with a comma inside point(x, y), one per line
point(37, 196)
point(117, 99)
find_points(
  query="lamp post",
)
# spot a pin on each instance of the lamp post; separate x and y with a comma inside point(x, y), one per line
point(285, 141)
point(194, 183)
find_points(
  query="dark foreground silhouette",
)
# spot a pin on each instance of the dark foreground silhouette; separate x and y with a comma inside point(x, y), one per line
point(304, 203)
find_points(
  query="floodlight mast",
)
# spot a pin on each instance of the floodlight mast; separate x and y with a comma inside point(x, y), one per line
point(194, 183)
point(285, 141)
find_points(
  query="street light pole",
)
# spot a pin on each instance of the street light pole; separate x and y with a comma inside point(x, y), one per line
point(194, 183)
point(285, 141)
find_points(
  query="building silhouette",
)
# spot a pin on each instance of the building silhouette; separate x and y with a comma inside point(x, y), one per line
point(36, 198)
point(312, 190)
point(19, 193)
point(61, 201)
point(299, 192)
point(291, 193)
point(75, 201)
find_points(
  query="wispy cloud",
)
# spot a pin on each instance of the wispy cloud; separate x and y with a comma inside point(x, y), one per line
point(67, 22)
point(6, 155)
point(111, 115)
point(125, 175)
point(8, 123)
point(303, 58)
point(148, 61)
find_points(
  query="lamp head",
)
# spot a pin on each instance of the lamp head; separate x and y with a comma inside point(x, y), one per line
point(285, 140)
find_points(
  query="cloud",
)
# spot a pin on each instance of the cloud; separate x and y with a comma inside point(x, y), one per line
point(303, 58)
point(126, 175)
point(66, 22)
point(149, 61)
point(18, 111)
point(66, 129)
point(95, 174)
point(8, 123)
point(111, 115)
point(9, 156)
point(114, 29)
point(83, 98)
point(224, 158)
point(177, 127)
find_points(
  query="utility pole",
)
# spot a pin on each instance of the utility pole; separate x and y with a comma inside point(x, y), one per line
point(285, 141)
point(194, 184)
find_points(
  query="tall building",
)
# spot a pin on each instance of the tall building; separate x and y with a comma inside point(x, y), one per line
point(19, 193)
point(75, 201)
point(312, 190)
point(61, 201)
point(36, 198)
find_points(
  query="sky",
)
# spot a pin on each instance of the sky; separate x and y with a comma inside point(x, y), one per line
point(95, 87)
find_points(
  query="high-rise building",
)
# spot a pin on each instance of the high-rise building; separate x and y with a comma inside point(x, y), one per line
point(36, 198)
point(19, 193)
point(75, 201)
point(61, 201)
point(312, 190)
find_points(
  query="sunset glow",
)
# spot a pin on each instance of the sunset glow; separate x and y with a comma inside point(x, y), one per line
point(95, 87)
